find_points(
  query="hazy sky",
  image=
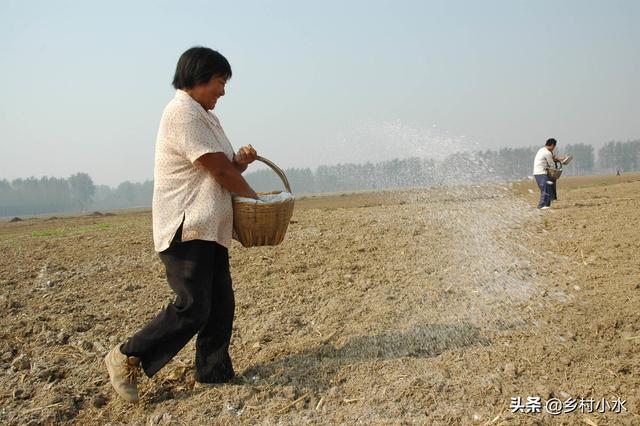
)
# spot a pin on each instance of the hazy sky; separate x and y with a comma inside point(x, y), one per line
point(321, 82)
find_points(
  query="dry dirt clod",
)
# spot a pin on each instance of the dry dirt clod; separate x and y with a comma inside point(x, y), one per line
point(99, 401)
point(62, 338)
point(21, 394)
point(164, 419)
point(22, 362)
point(510, 370)
point(51, 374)
point(234, 408)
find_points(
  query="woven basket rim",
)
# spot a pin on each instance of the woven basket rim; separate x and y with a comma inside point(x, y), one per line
point(253, 203)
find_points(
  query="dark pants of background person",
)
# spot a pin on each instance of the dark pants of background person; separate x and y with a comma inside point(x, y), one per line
point(553, 189)
point(198, 272)
point(545, 190)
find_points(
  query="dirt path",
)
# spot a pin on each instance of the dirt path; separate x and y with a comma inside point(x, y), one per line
point(415, 307)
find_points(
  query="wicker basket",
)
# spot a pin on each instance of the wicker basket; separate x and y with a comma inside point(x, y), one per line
point(263, 224)
point(554, 173)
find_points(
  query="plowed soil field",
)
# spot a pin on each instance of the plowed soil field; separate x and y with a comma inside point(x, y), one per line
point(459, 305)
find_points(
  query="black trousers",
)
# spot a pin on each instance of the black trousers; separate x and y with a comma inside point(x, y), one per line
point(198, 273)
point(553, 189)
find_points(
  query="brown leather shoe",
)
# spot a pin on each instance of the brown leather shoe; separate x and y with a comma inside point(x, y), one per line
point(123, 373)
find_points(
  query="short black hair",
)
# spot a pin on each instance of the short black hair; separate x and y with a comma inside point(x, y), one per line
point(550, 142)
point(197, 65)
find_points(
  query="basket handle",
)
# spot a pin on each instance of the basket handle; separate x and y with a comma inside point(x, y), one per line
point(278, 171)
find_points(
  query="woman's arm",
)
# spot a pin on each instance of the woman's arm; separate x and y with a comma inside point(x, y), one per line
point(226, 174)
point(239, 167)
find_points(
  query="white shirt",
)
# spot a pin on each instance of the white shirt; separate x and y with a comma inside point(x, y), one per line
point(182, 187)
point(543, 160)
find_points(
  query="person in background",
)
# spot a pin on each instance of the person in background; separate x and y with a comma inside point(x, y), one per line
point(545, 159)
point(195, 173)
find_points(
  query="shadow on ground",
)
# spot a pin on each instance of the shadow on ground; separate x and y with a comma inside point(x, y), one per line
point(314, 368)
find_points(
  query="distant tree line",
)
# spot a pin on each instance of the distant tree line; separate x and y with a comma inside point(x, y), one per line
point(76, 193)
point(79, 193)
point(45, 195)
point(464, 167)
point(126, 195)
point(623, 156)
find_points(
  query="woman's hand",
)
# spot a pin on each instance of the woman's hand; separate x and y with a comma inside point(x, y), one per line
point(245, 155)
